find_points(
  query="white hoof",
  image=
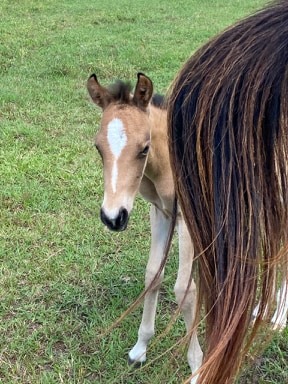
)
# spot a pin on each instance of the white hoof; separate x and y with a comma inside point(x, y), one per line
point(194, 379)
point(279, 324)
point(137, 354)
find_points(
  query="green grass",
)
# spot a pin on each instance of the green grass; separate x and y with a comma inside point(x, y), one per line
point(64, 279)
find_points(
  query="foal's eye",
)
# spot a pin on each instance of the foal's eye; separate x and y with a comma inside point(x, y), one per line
point(144, 151)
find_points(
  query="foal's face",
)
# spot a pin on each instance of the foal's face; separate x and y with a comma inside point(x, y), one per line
point(123, 142)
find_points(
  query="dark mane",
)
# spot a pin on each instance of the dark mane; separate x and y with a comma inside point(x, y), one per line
point(121, 91)
point(159, 101)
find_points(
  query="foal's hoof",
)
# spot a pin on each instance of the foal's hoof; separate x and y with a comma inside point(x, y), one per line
point(134, 363)
point(194, 380)
point(279, 325)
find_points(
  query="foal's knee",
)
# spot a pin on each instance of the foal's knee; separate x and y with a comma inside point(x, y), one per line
point(153, 282)
point(185, 295)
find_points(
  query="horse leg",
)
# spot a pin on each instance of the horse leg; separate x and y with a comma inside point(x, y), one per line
point(188, 306)
point(279, 318)
point(160, 225)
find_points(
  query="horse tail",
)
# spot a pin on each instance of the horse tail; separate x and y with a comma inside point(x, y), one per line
point(228, 140)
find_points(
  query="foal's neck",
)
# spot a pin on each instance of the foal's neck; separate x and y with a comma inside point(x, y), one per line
point(158, 171)
point(158, 158)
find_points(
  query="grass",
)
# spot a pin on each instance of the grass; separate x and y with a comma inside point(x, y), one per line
point(64, 278)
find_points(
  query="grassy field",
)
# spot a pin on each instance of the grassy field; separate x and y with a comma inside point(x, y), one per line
point(64, 279)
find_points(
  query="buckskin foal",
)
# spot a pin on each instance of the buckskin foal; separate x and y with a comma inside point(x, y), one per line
point(132, 142)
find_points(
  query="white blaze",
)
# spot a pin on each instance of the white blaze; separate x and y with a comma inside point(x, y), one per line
point(114, 176)
point(117, 140)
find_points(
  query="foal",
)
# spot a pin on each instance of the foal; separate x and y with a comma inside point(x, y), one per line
point(132, 142)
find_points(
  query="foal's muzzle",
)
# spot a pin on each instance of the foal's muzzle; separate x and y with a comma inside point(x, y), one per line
point(119, 223)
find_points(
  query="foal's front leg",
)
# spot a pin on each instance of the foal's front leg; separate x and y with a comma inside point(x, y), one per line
point(159, 231)
point(186, 296)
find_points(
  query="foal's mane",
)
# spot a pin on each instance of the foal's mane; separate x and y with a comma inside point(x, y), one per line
point(159, 101)
point(121, 91)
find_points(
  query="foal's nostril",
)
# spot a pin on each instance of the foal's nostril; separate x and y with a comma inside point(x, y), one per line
point(122, 219)
point(119, 223)
point(104, 218)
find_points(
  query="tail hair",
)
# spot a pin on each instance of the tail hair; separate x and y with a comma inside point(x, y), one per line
point(228, 140)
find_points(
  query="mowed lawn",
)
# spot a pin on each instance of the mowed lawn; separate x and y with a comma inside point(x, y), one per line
point(64, 279)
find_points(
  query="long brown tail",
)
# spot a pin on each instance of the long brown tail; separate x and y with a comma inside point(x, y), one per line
point(228, 132)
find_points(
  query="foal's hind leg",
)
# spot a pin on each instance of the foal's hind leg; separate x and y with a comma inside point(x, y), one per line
point(188, 307)
point(159, 231)
point(279, 319)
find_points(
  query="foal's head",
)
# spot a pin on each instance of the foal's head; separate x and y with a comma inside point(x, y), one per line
point(123, 142)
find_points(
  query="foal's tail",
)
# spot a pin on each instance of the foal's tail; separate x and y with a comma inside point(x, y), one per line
point(228, 132)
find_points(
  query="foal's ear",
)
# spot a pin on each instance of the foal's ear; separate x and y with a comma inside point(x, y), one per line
point(100, 95)
point(143, 91)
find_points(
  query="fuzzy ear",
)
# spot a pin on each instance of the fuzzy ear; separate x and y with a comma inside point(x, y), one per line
point(143, 91)
point(100, 95)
